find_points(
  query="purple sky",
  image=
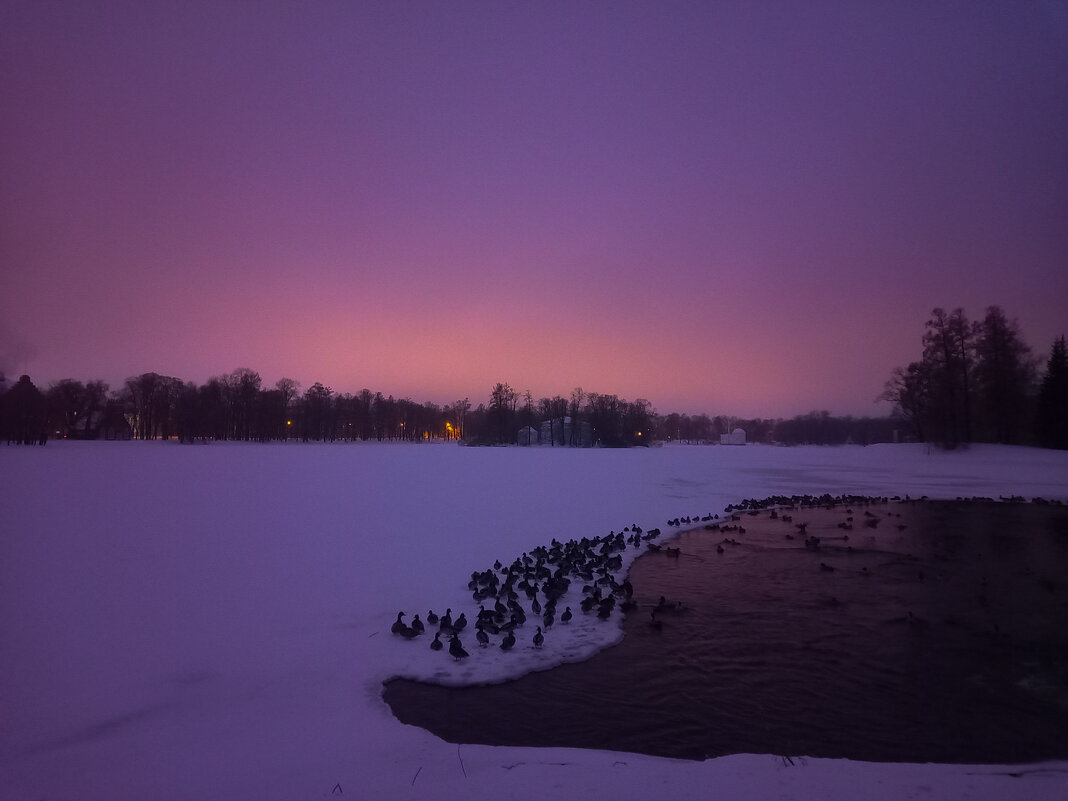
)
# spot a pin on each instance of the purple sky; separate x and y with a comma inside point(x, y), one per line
point(737, 208)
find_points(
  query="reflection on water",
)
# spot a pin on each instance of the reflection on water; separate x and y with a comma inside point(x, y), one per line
point(922, 632)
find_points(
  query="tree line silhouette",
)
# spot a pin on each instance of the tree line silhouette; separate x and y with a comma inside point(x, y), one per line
point(978, 382)
point(973, 382)
point(238, 406)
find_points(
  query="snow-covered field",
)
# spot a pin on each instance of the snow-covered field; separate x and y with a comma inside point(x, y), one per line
point(212, 621)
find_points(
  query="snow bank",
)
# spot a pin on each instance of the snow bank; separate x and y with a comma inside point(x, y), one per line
point(212, 621)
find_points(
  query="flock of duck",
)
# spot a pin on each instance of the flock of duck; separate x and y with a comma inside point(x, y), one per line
point(535, 584)
point(533, 587)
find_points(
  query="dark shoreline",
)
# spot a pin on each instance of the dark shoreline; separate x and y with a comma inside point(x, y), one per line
point(658, 693)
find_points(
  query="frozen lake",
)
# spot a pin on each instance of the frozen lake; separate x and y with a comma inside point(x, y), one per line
point(212, 621)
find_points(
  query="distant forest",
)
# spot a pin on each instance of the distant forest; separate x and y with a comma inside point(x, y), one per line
point(973, 383)
point(238, 407)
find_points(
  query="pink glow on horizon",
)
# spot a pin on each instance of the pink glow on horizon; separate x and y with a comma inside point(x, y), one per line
point(723, 210)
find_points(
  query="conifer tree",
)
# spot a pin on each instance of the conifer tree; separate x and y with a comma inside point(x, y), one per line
point(1004, 378)
point(1051, 420)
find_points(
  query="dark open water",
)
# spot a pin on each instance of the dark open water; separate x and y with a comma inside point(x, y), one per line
point(946, 641)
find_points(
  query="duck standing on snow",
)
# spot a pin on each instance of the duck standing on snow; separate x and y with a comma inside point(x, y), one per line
point(437, 645)
point(539, 638)
point(508, 641)
point(456, 648)
point(398, 626)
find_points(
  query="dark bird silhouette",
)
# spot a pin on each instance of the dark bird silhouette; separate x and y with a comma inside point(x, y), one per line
point(566, 616)
point(508, 641)
point(539, 638)
point(398, 626)
point(604, 609)
point(437, 645)
point(483, 638)
point(431, 618)
point(457, 649)
point(417, 625)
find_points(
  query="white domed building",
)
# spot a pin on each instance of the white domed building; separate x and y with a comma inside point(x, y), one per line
point(736, 437)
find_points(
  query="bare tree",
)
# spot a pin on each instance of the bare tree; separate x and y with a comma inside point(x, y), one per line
point(577, 399)
point(948, 361)
point(317, 410)
point(502, 411)
point(462, 408)
point(909, 390)
point(244, 385)
point(139, 400)
point(289, 390)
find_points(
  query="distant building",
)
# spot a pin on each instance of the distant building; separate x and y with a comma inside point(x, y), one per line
point(736, 437)
point(106, 423)
point(114, 424)
point(527, 435)
point(87, 427)
point(561, 431)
